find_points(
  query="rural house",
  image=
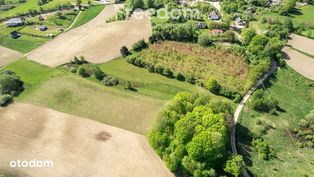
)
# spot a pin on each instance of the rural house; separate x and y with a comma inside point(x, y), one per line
point(15, 22)
point(239, 21)
point(43, 28)
point(213, 15)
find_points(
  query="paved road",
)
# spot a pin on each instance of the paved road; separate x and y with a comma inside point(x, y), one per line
point(301, 63)
point(241, 105)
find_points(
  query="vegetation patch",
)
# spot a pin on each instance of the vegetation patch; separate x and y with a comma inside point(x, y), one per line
point(194, 64)
point(191, 136)
point(267, 140)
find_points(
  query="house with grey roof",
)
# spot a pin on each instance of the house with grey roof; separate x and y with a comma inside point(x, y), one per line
point(15, 22)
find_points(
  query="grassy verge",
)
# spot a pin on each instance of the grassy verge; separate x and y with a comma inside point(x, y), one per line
point(146, 83)
point(296, 97)
point(88, 15)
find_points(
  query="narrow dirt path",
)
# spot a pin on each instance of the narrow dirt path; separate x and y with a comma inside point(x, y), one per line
point(241, 105)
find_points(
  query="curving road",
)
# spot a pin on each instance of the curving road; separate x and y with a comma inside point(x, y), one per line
point(241, 105)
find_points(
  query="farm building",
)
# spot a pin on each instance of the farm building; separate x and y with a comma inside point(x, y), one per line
point(239, 21)
point(213, 15)
point(15, 22)
point(15, 34)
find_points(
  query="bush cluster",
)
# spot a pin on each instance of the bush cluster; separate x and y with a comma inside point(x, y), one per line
point(10, 85)
point(261, 102)
point(156, 68)
point(110, 81)
point(263, 148)
point(305, 131)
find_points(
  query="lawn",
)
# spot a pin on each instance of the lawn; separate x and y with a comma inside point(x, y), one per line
point(23, 44)
point(146, 83)
point(202, 63)
point(296, 97)
point(87, 15)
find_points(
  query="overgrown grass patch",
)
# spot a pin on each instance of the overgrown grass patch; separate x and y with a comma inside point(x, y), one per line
point(201, 63)
point(23, 44)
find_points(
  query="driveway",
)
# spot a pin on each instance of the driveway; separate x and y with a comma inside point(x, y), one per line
point(97, 40)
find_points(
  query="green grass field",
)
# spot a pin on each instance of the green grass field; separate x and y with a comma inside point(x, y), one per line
point(87, 15)
point(31, 72)
point(23, 44)
point(304, 15)
point(296, 98)
point(146, 83)
point(66, 92)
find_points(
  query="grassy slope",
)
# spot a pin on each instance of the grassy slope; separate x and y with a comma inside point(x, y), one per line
point(66, 92)
point(88, 15)
point(147, 83)
point(81, 97)
point(296, 98)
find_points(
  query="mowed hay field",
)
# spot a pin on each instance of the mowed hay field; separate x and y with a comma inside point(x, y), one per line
point(8, 55)
point(81, 97)
point(97, 40)
point(302, 43)
point(203, 63)
point(77, 147)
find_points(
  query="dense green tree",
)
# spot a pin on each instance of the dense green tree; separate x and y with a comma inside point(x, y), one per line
point(10, 83)
point(134, 4)
point(235, 165)
point(247, 35)
point(286, 6)
point(213, 85)
point(124, 51)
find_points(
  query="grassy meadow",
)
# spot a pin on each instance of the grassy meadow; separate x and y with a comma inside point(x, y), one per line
point(296, 97)
point(87, 15)
point(229, 69)
point(146, 83)
point(304, 15)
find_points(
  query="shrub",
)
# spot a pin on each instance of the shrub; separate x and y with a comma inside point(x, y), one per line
point(10, 83)
point(5, 99)
point(124, 51)
point(180, 76)
point(158, 69)
point(140, 45)
point(128, 86)
point(82, 72)
point(262, 103)
point(204, 40)
point(99, 75)
point(213, 86)
point(167, 72)
point(110, 81)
